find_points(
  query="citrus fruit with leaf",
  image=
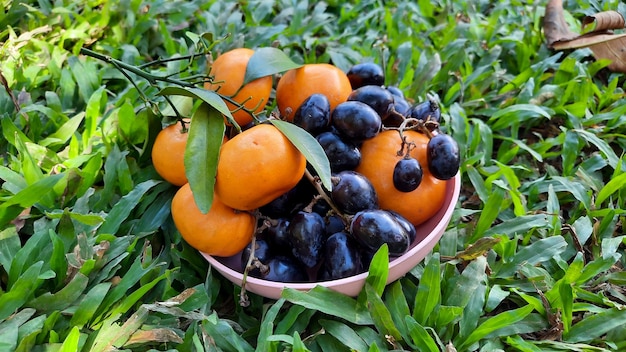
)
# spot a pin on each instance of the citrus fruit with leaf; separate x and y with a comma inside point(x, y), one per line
point(379, 156)
point(298, 84)
point(223, 231)
point(168, 152)
point(228, 73)
point(256, 166)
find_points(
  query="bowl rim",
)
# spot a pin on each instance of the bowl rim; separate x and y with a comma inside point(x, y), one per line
point(429, 240)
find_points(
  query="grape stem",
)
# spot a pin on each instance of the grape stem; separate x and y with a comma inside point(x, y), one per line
point(318, 187)
point(243, 296)
point(323, 195)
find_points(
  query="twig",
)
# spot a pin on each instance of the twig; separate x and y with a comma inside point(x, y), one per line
point(9, 91)
point(153, 79)
point(243, 296)
point(160, 61)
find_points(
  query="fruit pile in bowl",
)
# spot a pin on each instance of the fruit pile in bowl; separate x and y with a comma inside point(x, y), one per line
point(343, 166)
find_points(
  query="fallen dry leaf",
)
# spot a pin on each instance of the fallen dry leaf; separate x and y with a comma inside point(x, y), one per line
point(603, 21)
point(597, 34)
point(555, 29)
point(157, 335)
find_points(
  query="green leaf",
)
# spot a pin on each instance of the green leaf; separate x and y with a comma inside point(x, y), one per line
point(296, 319)
point(380, 314)
point(122, 209)
point(524, 147)
point(537, 252)
point(614, 185)
point(532, 323)
point(112, 168)
point(398, 306)
point(309, 147)
point(63, 298)
point(65, 132)
point(577, 189)
point(9, 246)
point(519, 225)
point(58, 262)
point(207, 96)
point(602, 145)
point(131, 299)
point(473, 310)
point(317, 298)
point(27, 197)
point(566, 300)
point(72, 341)
point(9, 329)
point(157, 213)
point(298, 345)
point(594, 326)
point(28, 332)
point(420, 336)
point(570, 150)
point(27, 255)
point(598, 266)
point(96, 101)
point(518, 113)
point(206, 134)
point(267, 325)
point(489, 213)
point(21, 291)
point(345, 334)
point(183, 104)
point(428, 294)
point(89, 304)
point(460, 289)
point(494, 323)
point(379, 270)
point(117, 293)
point(225, 337)
point(11, 133)
point(267, 61)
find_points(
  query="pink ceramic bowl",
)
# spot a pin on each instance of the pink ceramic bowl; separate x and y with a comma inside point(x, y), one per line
point(428, 234)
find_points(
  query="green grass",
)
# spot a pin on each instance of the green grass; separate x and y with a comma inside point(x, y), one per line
point(532, 260)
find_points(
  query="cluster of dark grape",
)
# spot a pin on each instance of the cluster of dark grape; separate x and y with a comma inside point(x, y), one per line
point(312, 234)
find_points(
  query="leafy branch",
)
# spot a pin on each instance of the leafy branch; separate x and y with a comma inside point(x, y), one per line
point(153, 79)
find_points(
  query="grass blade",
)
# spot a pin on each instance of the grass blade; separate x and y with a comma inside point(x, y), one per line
point(494, 323)
point(345, 334)
point(429, 290)
point(594, 326)
point(343, 306)
point(420, 336)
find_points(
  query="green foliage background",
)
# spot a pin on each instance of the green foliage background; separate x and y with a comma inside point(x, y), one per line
point(89, 257)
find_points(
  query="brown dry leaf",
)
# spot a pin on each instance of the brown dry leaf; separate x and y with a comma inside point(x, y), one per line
point(555, 28)
point(478, 249)
point(598, 35)
point(158, 335)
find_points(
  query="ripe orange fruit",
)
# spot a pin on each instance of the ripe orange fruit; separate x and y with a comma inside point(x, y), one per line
point(298, 84)
point(228, 72)
point(378, 159)
point(256, 166)
point(222, 231)
point(168, 154)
